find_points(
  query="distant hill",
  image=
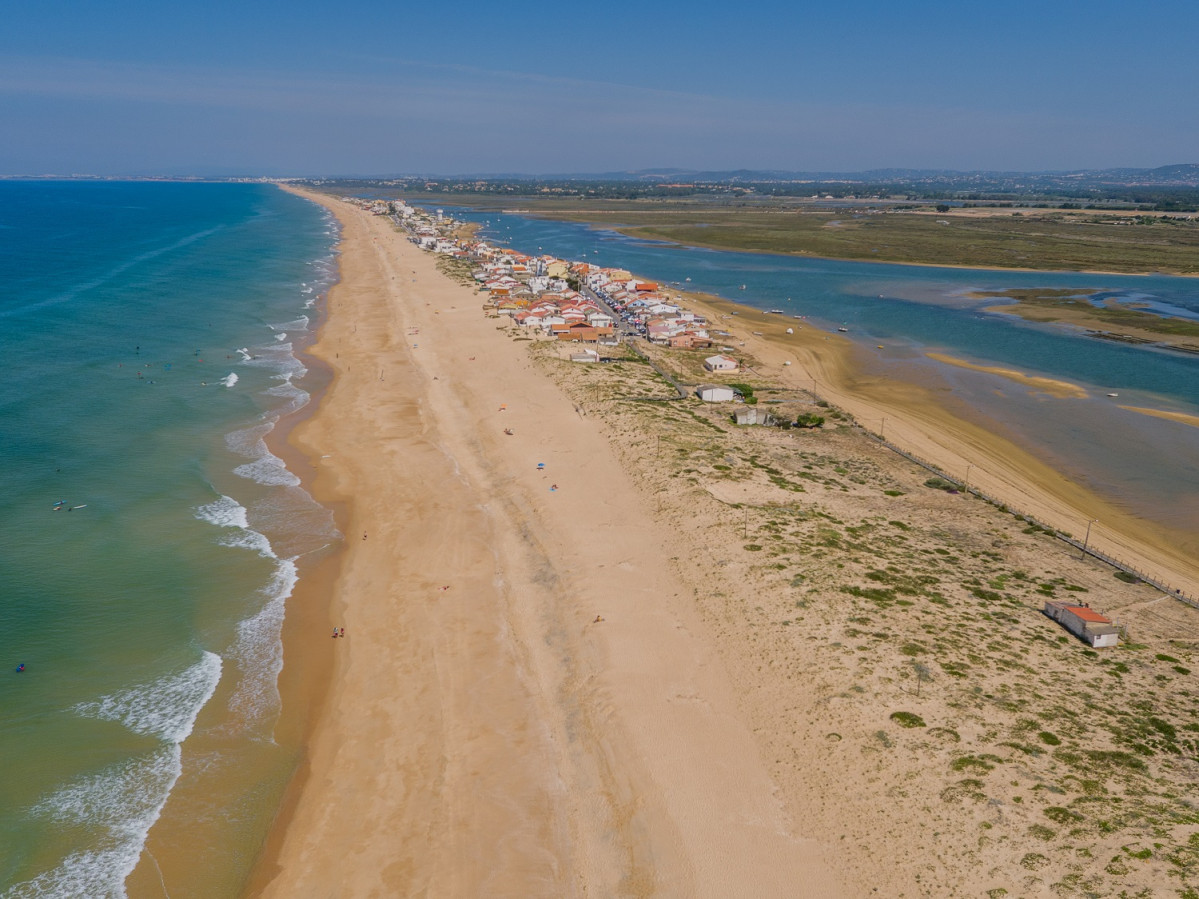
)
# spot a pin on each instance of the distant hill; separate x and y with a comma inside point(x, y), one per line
point(1167, 188)
point(1179, 175)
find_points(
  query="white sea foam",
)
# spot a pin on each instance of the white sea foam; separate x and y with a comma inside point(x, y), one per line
point(249, 539)
point(280, 357)
point(282, 335)
point(224, 512)
point(227, 512)
point(296, 397)
point(298, 324)
point(245, 354)
point(248, 441)
point(266, 468)
point(119, 805)
point(167, 708)
point(258, 650)
point(269, 470)
point(230, 379)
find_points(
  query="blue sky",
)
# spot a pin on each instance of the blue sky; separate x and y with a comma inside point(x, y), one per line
point(301, 88)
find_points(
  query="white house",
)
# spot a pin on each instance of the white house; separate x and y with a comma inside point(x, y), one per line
point(720, 363)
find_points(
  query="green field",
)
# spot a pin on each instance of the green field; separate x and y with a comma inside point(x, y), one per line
point(1035, 239)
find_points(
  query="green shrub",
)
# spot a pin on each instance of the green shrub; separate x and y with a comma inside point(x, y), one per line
point(907, 719)
point(1059, 815)
point(941, 484)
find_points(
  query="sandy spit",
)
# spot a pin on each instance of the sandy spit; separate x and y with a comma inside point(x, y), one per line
point(526, 701)
point(912, 417)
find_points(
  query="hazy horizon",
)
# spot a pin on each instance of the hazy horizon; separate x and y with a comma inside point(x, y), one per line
point(146, 90)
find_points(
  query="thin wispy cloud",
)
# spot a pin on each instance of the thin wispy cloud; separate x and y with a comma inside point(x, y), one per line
point(397, 115)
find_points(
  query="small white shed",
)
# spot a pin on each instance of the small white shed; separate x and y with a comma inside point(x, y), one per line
point(1084, 623)
point(715, 393)
point(751, 415)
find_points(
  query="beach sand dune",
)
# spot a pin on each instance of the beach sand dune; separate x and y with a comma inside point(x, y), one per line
point(526, 702)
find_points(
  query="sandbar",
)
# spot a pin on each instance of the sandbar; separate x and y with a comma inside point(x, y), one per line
point(1051, 386)
point(1180, 417)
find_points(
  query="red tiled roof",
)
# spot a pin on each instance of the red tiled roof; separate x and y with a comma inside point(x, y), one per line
point(1088, 614)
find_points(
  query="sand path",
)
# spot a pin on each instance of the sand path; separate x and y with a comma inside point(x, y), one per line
point(492, 738)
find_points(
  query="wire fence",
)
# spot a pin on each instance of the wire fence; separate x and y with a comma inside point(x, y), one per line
point(1084, 547)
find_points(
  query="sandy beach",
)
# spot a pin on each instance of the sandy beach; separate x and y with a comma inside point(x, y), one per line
point(484, 733)
point(575, 664)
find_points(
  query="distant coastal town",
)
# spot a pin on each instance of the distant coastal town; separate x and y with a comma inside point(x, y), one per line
point(565, 300)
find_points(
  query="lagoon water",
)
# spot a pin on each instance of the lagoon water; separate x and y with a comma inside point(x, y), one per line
point(149, 540)
point(1146, 465)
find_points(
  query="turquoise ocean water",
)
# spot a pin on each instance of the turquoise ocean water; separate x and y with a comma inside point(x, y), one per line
point(1146, 466)
point(149, 540)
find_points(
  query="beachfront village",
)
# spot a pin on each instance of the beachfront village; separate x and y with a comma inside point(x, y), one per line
point(569, 301)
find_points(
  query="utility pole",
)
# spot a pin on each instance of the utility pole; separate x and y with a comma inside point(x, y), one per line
point(1087, 539)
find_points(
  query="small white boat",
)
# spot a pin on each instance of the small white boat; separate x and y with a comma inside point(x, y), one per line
point(843, 329)
point(1113, 394)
